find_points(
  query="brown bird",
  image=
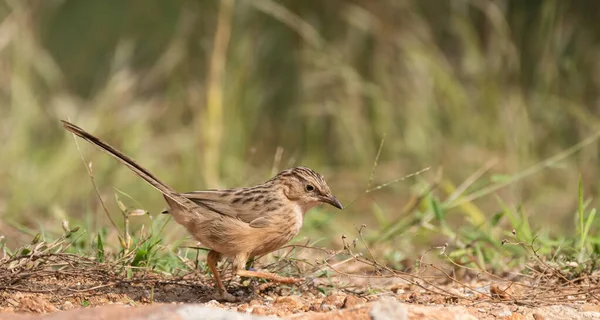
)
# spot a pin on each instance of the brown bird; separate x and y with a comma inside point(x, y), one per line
point(237, 223)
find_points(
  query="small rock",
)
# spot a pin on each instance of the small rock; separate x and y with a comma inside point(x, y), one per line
point(400, 288)
point(335, 300)
point(504, 313)
point(213, 303)
point(244, 308)
point(290, 303)
point(255, 302)
point(258, 310)
point(388, 308)
point(67, 305)
point(350, 301)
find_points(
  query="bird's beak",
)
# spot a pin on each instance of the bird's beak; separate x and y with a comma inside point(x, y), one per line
point(333, 201)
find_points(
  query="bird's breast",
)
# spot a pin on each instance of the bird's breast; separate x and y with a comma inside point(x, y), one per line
point(284, 227)
point(297, 217)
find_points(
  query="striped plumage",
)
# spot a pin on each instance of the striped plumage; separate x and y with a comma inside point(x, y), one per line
point(272, 212)
point(238, 223)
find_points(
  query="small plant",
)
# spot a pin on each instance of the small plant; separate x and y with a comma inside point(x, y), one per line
point(585, 221)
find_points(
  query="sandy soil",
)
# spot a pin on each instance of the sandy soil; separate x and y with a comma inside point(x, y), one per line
point(67, 289)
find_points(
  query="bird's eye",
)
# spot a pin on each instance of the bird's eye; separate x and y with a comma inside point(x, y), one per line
point(309, 187)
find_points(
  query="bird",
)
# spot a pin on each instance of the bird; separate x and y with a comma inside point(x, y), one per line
point(238, 223)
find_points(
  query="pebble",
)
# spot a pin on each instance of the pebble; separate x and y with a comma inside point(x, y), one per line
point(291, 303)
point(351, 301)
point(388, 308)
point(255, 302)
point(504, 313)
point(260, 311)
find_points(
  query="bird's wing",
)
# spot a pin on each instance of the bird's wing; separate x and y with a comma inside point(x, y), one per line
point(231, 202)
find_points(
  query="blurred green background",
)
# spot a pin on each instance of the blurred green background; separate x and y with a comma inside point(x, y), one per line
point(210, 94)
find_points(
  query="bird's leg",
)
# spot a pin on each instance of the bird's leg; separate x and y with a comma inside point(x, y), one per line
point(239, 263)
point(267, 275)
point(212, 259)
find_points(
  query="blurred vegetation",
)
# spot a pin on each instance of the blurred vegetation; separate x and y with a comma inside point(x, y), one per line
point(211, 94)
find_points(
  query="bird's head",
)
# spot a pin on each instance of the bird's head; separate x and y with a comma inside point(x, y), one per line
point(306, 187)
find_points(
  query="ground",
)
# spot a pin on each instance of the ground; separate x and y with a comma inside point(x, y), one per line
point(65, 282)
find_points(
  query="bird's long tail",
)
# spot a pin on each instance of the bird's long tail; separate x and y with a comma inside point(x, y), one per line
point(127, 161)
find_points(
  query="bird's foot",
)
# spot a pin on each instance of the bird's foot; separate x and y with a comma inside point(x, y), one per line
point(224, 296)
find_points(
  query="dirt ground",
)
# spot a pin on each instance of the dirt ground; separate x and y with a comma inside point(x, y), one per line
point(45, 282)
point(46, 291)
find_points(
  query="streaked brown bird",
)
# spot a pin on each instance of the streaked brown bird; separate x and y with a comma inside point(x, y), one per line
point(237, 223)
